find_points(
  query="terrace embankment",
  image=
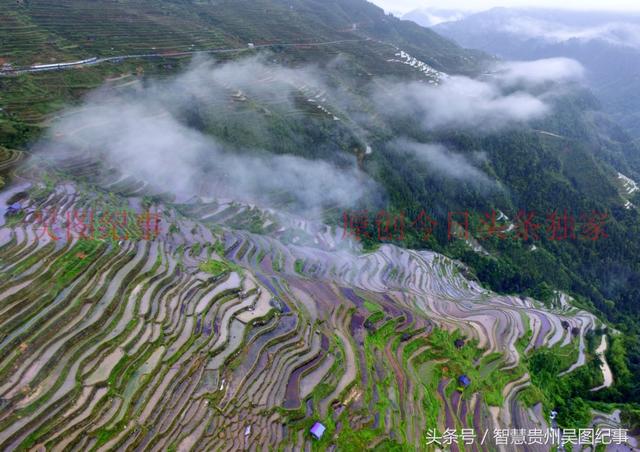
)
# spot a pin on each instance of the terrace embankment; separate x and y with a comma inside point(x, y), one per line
point(204, 334)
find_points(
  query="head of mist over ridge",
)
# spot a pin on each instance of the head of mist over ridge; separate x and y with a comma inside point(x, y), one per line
point(154, 133)
point(160, 130)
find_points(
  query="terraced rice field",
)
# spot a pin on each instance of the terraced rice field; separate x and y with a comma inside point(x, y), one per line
point(9, 159)
point(80, 27)
point(21, 38)
point(209, 336)
point(46, 29)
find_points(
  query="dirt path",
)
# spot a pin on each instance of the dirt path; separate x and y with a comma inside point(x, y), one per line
point(606, 370)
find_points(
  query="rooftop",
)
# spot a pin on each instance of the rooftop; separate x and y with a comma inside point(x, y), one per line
point(317, 430)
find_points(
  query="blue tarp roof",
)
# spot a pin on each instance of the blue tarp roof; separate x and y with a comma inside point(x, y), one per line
point(318, 430)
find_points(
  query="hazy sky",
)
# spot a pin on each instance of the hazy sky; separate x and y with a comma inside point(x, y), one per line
point(407, 5)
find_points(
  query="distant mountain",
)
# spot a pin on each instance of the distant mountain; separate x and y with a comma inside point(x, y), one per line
point(429, 17)
point(607, 44)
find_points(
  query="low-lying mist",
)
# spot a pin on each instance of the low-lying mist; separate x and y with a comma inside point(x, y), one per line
point(510, 94)
point(147, 133)
point(446, 163)
point(170, 132)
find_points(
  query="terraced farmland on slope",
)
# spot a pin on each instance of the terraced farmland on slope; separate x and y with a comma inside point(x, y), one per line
point(45, 32)
point(213, 336)
point(21, 38)
point(47, 29)
point(9, 159)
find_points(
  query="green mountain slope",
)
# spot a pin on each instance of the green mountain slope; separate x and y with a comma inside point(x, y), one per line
point(46, 30)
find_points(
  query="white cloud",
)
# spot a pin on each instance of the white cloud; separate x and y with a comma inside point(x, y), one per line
point(501, 98)
point(459, 102)
point(403, 6)
point(145, 134)
point(445, 162)
point(539, 72)
point(617, 33)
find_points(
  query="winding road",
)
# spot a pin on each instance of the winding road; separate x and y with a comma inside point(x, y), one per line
point(117, 59)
